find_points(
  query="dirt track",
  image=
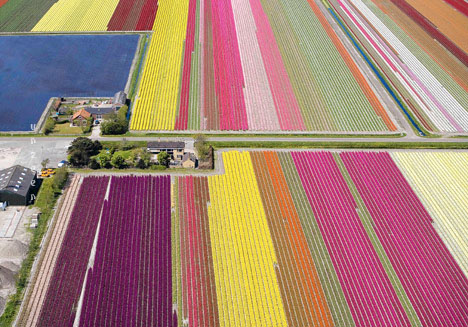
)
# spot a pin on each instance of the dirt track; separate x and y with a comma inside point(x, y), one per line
point(39, 284)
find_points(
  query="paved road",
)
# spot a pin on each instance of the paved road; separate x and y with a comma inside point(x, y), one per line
point(31, 151)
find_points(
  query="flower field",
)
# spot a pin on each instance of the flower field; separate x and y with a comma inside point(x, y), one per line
point(435, 94)
point(77, 15)
point(70, 268)
point(279, 239)
point(129, 282)
point(222, 65)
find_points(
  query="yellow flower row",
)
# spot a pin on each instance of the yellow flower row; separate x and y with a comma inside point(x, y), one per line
point(243, 253)
point(441, 182)
point(156, 104)
point(77, 15)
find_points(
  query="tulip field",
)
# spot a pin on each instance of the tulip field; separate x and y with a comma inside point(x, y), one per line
point(278, 239)
point(129, 282)
point(432, 81)
point(223, 65)
point(77, 15)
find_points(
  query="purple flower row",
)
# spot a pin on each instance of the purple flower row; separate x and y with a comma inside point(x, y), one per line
point(130, 283)
point(435, 284)
point(65, 286)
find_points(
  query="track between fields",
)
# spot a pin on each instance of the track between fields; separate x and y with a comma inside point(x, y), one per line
point(33, 304)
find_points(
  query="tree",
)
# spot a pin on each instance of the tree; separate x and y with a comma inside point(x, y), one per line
point(116, 123)
point(164, 158)
point(113, 128)
point(118, 161)
point(82, 149)
point(203, 149)
point(103, 159)
point(45, 163)
point(141, 154)
point(49, 125)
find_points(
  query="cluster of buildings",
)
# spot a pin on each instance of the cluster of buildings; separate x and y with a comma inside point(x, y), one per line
point(97, 111)
point(180, 158)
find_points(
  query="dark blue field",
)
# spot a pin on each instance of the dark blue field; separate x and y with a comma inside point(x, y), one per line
point(35, 68)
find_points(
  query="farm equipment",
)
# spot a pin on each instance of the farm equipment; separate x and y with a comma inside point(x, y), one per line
point(47, 172)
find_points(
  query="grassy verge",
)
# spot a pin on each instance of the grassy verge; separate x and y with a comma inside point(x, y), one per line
point(248, 134)
point(46, 200)
point(338, 145)
point(136, 71)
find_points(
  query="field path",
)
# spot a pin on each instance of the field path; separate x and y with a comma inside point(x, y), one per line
point(40, 284)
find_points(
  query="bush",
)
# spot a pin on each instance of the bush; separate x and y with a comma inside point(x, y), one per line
point(59, 179)
point(118, 161)
point(158, 167)
point(88, 126)
point(141, 164)
point(113, 128)
point(49, 126)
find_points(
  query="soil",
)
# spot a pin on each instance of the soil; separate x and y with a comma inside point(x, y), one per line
point(449, 21)
point(12, 253)
point(440, 54)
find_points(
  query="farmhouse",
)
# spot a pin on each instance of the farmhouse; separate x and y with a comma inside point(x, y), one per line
point(100, 112)
point(80, 117)
point(17, 185)
point(174, 149)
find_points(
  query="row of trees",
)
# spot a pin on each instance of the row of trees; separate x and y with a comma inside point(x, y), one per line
point(84, 152)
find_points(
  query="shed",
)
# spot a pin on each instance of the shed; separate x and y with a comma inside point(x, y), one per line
point(189, 160)
point(17, 185)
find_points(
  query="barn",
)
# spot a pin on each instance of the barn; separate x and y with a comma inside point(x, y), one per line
point(18, 185)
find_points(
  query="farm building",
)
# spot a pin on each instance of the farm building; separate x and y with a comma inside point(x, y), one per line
point(189, 160)
point(80, 117)
point(17, 184)
point(174, 149)
point(100, 112)
point(119, 100)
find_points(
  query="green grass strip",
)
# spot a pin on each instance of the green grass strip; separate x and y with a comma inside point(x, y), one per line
point(336, 145)
point(367, 222)
point(322, 260)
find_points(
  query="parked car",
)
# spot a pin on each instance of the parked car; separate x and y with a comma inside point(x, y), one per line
point(63, 163)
